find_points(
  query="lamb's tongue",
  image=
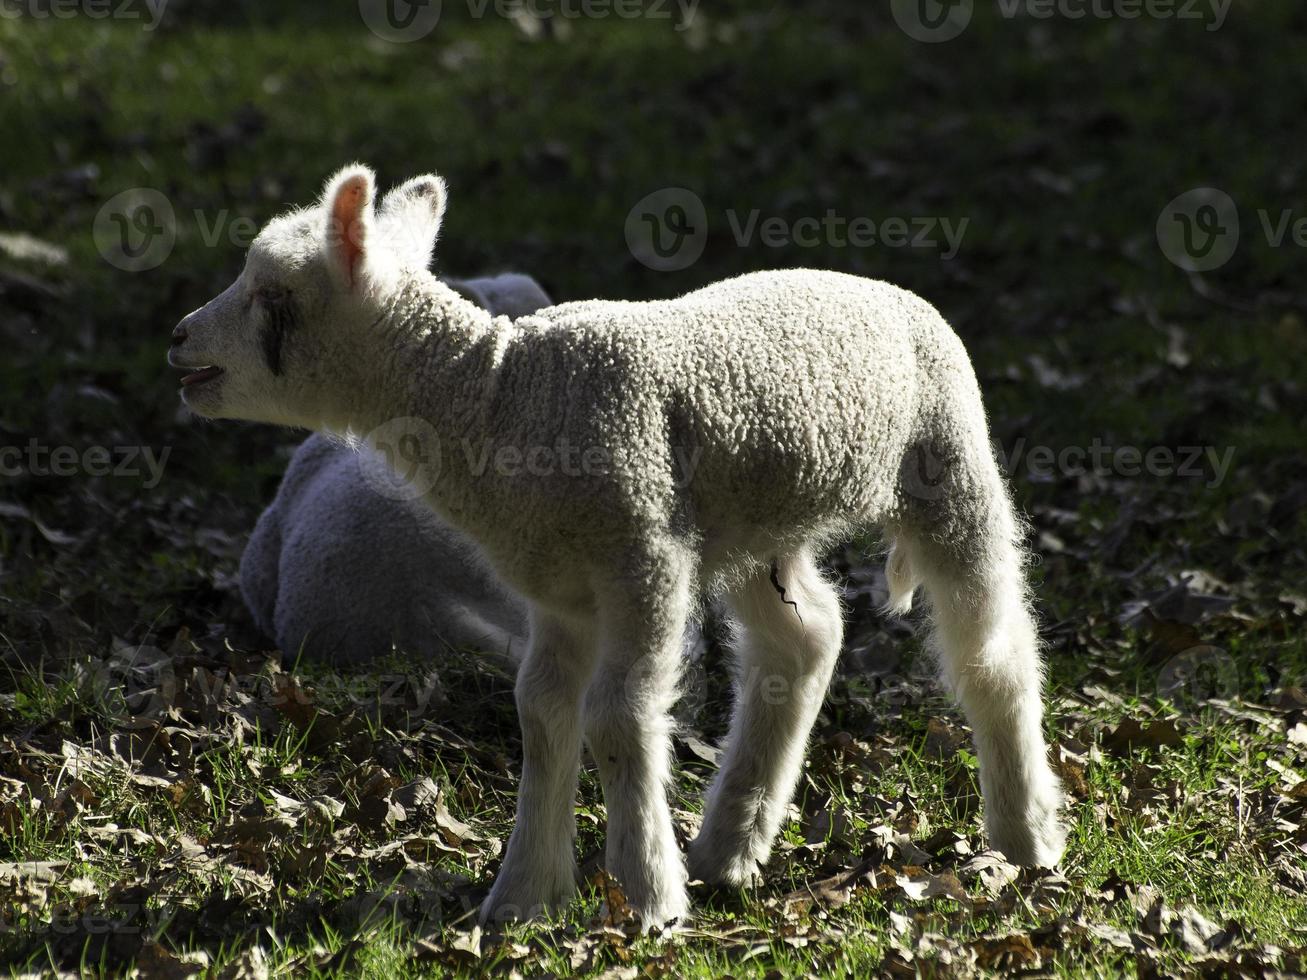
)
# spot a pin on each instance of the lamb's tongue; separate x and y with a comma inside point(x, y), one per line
point(203, 374)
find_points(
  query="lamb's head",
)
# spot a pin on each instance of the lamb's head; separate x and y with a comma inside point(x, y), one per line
point(298, 329)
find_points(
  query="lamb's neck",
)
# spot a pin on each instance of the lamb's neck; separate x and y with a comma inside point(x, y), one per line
point(435, 361)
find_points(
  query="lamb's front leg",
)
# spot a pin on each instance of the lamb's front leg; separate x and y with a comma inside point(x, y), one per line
point(628, 728)
point(539, 869)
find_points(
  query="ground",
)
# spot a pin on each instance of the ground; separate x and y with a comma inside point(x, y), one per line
point(176, 795)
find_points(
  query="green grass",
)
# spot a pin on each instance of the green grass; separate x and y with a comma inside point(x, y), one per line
point(1060, 141)
point(1197, 852)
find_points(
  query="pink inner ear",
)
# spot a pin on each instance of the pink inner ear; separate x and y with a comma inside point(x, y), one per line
point(347, 224)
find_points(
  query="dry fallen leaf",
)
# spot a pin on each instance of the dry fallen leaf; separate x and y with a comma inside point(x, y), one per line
point(919, 884)
point(1007, 953)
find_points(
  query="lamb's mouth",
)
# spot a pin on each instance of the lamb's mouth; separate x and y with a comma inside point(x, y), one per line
point(200, 376)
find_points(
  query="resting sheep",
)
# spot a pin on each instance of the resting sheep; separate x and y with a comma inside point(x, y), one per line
point(617, 461)
point(342, 572)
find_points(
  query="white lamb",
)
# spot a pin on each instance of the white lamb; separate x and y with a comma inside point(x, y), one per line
point(724, 439)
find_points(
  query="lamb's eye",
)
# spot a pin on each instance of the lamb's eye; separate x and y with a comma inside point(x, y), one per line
point(280, 316)
point(271, 297)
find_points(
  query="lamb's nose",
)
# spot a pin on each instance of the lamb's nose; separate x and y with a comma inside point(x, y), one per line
point(179, 334)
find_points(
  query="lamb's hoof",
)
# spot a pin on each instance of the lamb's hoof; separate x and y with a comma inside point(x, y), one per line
point(1029, 854)
point(1036, 842)
point(518, 901)
point(655, 892)
point(716, 865)
point(663, 913)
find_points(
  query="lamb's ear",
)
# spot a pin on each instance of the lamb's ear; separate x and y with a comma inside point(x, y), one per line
point(411, 215)
point(348, 202)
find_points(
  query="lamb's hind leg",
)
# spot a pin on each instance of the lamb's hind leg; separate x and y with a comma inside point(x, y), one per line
point(988, 649)
point(788, 645)
point(628, 728)
point(539, 869)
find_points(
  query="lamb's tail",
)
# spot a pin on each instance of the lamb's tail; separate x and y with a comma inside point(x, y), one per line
point(902, 579)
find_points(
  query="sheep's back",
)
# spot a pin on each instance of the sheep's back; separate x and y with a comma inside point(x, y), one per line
point(776, 397)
